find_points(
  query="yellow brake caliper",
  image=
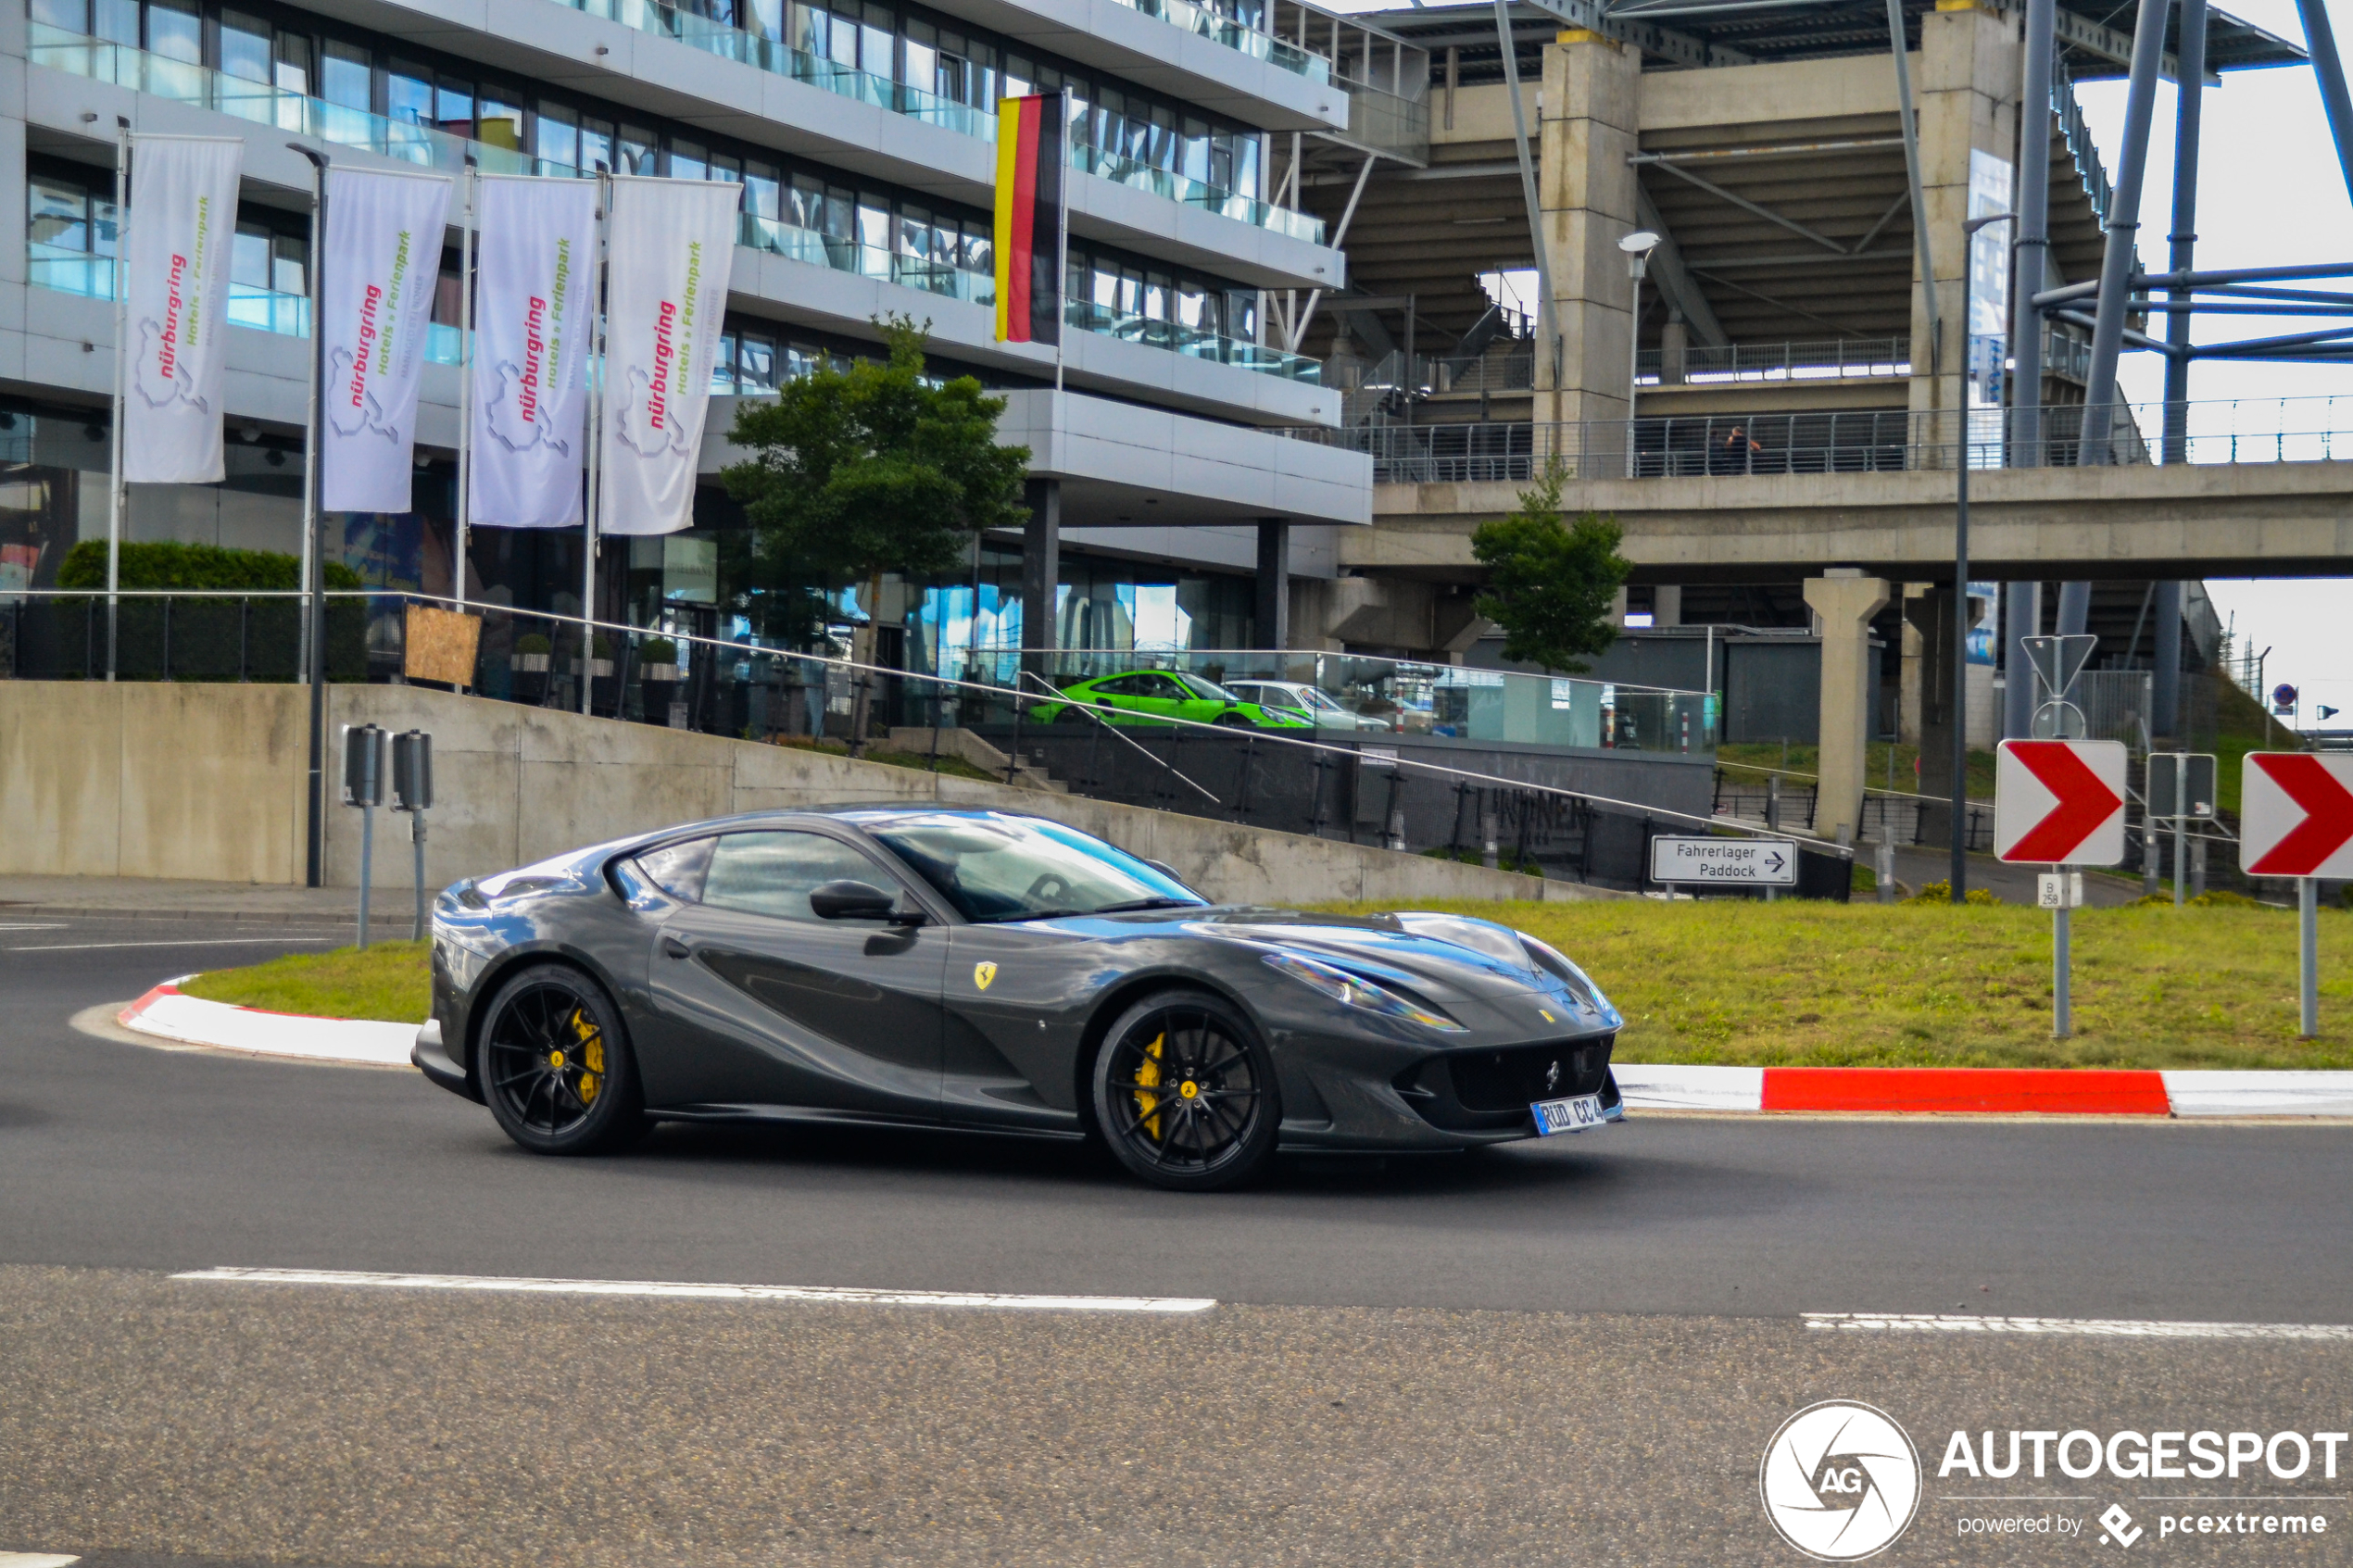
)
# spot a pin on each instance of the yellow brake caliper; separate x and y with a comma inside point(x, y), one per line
point(1147, 1071)
point(591, 1056)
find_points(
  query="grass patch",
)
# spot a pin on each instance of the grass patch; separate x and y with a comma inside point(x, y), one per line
point(390, 981)
point(1749, 761)
point(1810, 983)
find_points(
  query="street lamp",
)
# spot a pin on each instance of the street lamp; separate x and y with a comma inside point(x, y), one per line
point(1638, 247)
point(1959, 874)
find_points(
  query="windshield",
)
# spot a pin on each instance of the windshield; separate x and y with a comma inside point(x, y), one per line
point(1209, 689)
point(1002, 868)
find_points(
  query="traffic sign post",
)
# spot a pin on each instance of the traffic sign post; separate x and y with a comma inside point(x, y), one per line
point(2180, 792)
point(2295, 820)
point(2060, 803)
point(1724, 862)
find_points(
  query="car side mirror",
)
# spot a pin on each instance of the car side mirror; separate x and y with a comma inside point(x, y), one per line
point(850, 901)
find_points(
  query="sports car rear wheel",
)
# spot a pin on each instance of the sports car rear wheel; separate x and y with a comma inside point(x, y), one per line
point(556, 1066)
point(1185, 1093)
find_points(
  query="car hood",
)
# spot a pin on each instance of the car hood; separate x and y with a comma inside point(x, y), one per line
point(1439, 956)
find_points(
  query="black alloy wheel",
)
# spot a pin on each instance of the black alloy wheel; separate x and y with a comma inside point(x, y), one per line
point(556, 1065)
point(1185, 1093)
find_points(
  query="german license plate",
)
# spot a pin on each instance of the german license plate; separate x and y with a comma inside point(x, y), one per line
point(1577, 1114)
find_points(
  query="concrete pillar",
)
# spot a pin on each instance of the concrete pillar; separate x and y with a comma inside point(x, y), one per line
point(1041, 550)
point(2165, 695)
point(1588, 191)
point(1964, 83)
point(1273, 587)
point(2022, 617)
point(1941, 705)
point(1913, 681)
point(1666, 605)
point(1844, 605)
point(1673, 338)
point(2074, 608)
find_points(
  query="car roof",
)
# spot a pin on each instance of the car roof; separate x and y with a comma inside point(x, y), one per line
point(868, 814)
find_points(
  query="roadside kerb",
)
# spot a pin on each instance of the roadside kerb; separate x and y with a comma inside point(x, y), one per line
point(2059, 1091)
point(169, 1013)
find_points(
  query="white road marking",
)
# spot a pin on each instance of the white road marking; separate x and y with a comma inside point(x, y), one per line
point(710, 1292)
point(58, 925)
point(2120, 1328)
point(193, 942)
point(36, 1560)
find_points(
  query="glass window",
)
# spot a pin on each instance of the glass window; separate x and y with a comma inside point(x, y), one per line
point(808, 209)
point(921, 56)
point(877, 44)
point(1247, 163)
point(559, 135)
point(409, 93)
point(727, 167)
point(453, 106)
point(58, 213)
point(175, 30)
point(501, 120)
point(293, 63)
point(842, 41)
point(679, 868)
point(116, 21)
point(1110, 119)
point(873, 223)
point(765, 18)
point(841, 208)
point(73, 16)
point(249, 260)
point(1192, 149)
point(639, 148)
point(688, 160)
point(596, 143)
point(244, 46)
point(915, 232)
point(811, 29)
point(755, 364)
point(994, 868)
point(289, 265)
point(348, 78)
point(723, 367)
point(977, 251)
point(761, 189)
point(1015, 82)
point(773, 873)
point(1161, 150)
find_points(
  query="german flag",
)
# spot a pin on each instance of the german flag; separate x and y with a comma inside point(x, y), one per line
point(1029, 219)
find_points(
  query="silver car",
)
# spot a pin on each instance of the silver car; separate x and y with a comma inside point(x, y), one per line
point(1313, 701)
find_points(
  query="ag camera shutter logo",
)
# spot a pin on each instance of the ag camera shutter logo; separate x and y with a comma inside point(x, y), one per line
point(1841, 1481)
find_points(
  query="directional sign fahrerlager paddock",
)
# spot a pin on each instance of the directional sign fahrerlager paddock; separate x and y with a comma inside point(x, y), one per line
point(1739, 862)
point(2059, 802)
point(2296, 815)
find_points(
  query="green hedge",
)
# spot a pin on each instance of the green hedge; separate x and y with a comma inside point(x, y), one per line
point(174, 565)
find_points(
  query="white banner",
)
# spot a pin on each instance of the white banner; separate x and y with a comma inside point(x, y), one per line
point(184, 225)
point(670, 245)
point(382, 264)
point(534, 314)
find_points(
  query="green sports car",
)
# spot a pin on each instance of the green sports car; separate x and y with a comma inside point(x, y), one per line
point(1151, 696)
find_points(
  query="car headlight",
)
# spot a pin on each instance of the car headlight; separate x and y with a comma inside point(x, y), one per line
point(1355, 991)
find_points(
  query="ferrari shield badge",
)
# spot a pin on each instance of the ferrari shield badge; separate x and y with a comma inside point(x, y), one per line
point(983, 973)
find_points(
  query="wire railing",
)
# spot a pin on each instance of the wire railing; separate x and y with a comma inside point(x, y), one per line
point(1829, 359)
point(674, 676)
point(1730, 445)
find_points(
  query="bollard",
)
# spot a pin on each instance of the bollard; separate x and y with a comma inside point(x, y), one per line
point(412, 792)
point(2307, 952)
point(1488, 828)
point(1884, 860)
point(363, 785)
point(2149, 852)
point(2197, 868)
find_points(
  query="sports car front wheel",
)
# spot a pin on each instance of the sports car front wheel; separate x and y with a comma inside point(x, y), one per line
point(1185, 1093)
point(556, 1066)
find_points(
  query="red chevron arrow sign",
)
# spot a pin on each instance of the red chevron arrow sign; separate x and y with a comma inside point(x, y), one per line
point(2059, 802)
point(2296, 815)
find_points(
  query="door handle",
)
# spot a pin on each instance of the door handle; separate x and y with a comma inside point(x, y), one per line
point(672, 947)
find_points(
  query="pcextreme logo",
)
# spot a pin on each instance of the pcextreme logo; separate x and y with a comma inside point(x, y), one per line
point(1841, 1481)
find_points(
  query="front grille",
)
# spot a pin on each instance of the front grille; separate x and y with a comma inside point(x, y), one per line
point(1516, 1077)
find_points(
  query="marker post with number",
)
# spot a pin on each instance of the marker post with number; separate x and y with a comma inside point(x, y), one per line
point(2295, 820)
point(2060, 803)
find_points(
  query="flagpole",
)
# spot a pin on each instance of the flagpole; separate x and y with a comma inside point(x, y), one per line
point(1062, 247)
point(465, 384)
point(116, 496)
point(595, 444)
point(314, 627)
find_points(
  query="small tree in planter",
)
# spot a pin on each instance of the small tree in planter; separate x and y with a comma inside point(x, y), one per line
point(530, 666)
point(659, 658)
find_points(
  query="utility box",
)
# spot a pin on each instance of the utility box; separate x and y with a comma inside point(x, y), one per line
point(412, 770)
point(363, 765)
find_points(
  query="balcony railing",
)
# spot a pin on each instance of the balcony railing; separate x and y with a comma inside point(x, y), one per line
point(92, 276)
point(1829, 361)
point(1725, 446)
point(295, 113)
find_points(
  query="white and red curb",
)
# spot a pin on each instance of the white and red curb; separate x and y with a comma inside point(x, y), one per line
point(169, 1014)
point(2062, 1091)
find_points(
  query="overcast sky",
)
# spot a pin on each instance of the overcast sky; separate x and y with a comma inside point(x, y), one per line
point(2271, 194)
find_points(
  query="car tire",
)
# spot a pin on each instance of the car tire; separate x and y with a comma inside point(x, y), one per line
point(555, 1067)
point(1234, 720)
point(1219, 1129)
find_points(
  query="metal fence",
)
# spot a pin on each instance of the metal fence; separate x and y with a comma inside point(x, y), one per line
point(1725, 446)
point(1829, 358)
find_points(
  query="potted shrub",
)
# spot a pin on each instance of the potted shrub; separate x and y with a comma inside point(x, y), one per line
point(599, 659)
point(531, 654)
point(658, 659)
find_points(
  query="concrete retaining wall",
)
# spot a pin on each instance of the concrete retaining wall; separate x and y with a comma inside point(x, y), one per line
point(205, 781)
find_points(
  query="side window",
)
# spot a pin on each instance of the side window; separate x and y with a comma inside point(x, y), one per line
point(1126, 686)
point(678, 869)
point(772, 873)
point(1164, 686)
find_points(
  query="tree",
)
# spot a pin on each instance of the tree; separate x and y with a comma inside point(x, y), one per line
point(874, 468)
point(1551, 583)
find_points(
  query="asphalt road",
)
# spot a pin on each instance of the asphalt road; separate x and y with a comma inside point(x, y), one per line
point(1568, 1351)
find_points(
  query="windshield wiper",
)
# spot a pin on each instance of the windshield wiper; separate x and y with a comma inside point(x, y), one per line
point(1134, 904)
